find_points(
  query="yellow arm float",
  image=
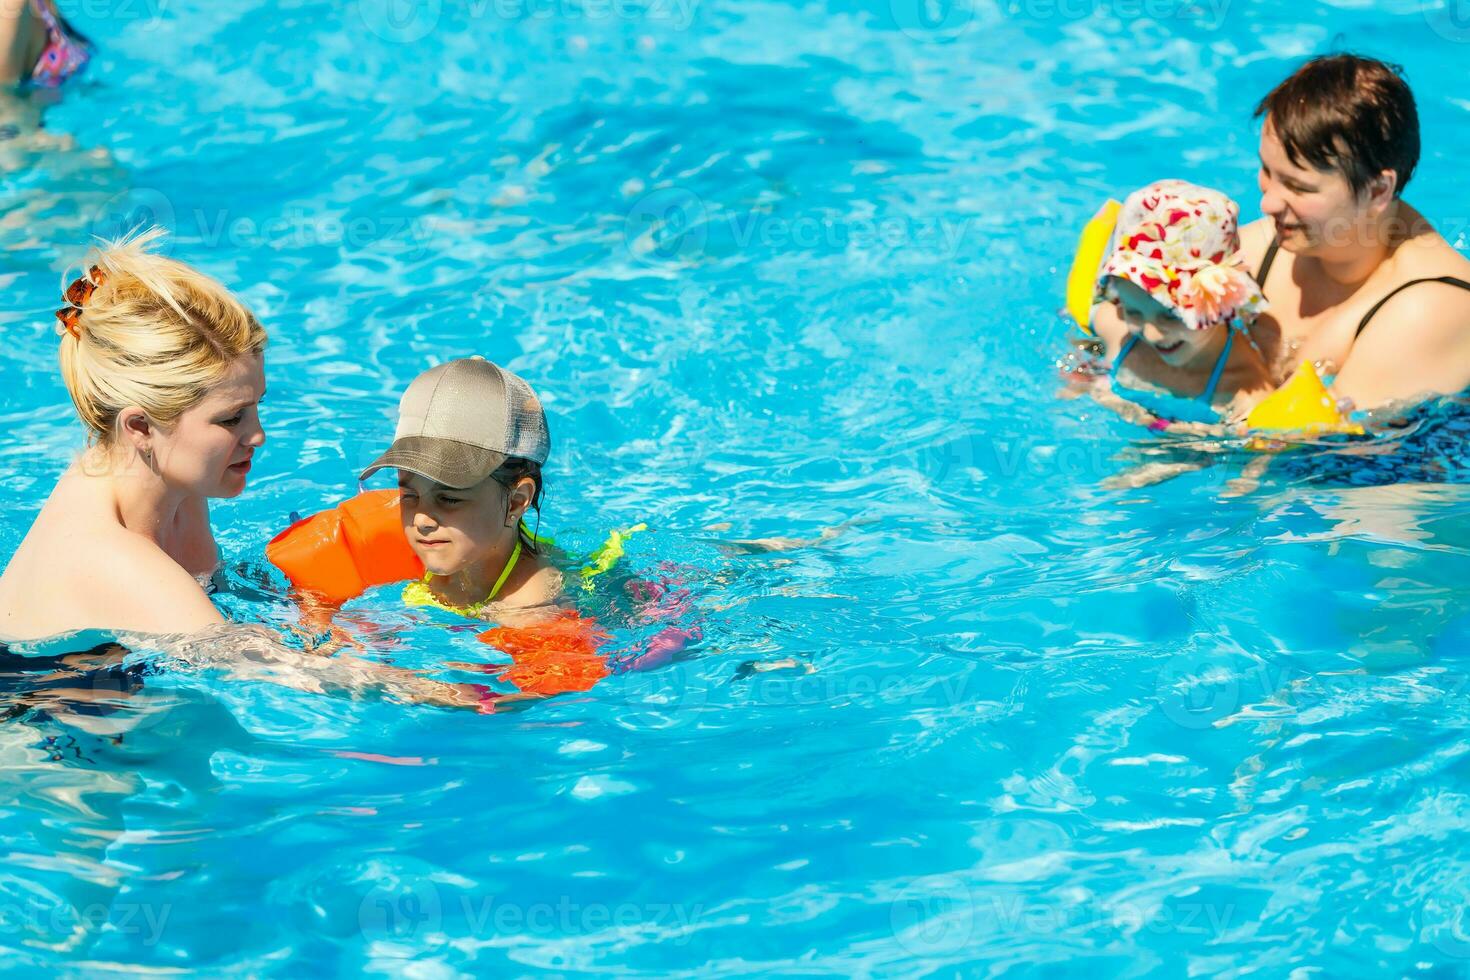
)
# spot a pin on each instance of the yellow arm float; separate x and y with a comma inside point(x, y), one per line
point(1303, 404)
point(1092, 250)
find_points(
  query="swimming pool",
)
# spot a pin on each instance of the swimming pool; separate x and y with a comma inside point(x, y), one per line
point(777, 267)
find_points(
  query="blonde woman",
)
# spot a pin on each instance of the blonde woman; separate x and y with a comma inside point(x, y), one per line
point(165, 367)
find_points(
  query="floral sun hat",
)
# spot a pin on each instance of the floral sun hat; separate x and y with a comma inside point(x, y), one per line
point(1180, 243)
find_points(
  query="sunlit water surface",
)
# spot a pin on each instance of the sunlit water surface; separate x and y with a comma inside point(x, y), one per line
point(774, 268)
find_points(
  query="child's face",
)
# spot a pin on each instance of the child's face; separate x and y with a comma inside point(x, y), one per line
point(1158, 326)
point(451, 530)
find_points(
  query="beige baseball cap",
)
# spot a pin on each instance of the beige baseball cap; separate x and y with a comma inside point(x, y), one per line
point(460, 421)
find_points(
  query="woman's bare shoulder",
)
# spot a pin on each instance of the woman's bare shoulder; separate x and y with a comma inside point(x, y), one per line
point(129, 583)
point(1422, 251)
point(1429, 256)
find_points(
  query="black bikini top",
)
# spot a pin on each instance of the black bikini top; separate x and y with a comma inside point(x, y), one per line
point(1363, 324)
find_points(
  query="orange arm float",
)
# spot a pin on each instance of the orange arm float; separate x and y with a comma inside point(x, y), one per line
point(340, 553)
point(551, 658)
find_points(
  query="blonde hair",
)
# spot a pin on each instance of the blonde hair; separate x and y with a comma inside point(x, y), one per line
point(155, 333)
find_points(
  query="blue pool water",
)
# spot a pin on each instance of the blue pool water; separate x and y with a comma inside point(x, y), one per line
point(774, 267)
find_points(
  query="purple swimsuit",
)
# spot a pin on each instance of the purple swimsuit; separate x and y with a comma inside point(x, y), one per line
point(66, 53)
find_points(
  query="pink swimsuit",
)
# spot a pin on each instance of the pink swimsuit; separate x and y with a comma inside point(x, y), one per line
point(66, 53)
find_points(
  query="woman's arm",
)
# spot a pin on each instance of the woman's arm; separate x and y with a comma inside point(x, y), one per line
point(253, 652)
point(1422, 349)
point(132, 585)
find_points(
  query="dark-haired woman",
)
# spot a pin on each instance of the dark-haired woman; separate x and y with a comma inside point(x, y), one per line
point(1354, 275)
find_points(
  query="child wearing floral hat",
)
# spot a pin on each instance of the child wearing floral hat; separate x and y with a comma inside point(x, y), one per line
point(1174, 298)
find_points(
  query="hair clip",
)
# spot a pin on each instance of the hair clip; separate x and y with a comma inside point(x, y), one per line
point(77, 295)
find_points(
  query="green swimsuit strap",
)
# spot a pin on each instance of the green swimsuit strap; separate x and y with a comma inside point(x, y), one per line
point(510, 566)
point(474, 609)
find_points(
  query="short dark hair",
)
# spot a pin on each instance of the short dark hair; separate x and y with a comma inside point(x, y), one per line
point(509, 473)
point(1347, 113)
point(516, 467)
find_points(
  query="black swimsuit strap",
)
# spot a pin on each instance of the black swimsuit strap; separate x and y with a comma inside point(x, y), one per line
point(1266, 263)
point(1447, 280)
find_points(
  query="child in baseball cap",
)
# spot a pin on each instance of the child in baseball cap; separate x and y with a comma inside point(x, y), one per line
point(1175, 295)
point(469, 447)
